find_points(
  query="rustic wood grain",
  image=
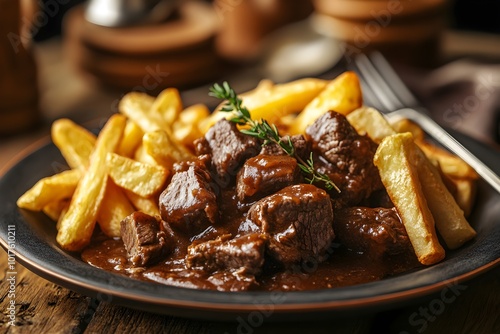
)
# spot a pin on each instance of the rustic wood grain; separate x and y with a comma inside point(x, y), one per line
point(41, 306)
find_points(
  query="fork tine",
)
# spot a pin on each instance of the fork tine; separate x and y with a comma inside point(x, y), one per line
point(393, 79)
point(369, 97)
point(377, 83)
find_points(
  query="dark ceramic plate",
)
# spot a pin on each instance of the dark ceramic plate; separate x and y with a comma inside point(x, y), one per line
point(36, 248)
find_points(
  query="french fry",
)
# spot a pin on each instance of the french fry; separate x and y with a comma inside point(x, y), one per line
point(450, 164)
point(370, 121)
point(143, 179)
point(54, 209)
point(75, 142)
point(163, 149)
point(168, 104)
point(50, 189)
point(186, 128)
point(132, 138)
point(273, 101)
point(405, 125)
point(450, 221)
point(342, 94)
point(145, 204)
point(114, 207)
point(137, 107)
point(77, 225)
point(395, 159)
point(465, 194)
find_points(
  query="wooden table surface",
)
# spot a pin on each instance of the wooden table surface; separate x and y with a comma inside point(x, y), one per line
point(44, 307)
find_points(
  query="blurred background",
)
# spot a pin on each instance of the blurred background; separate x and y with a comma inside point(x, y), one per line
point(76, 58)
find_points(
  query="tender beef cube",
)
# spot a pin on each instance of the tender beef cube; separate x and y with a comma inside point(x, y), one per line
point(144, 241)
point(229, 149)
point(244, 254)
point(349, 157)
point(298, 222)
point(201, 161)
point(189, 204)
point(377, 232)
point(301, 145)
point(265, 174)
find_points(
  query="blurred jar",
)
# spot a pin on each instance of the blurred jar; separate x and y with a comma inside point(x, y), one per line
point(18, 78)
point(407, 31)
point(245, 23)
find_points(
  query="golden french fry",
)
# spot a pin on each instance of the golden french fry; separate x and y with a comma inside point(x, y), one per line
point(274, 101)
point(342, 94)
point(50, 189)
point(163, 149)
point(75, 142)
point(137, 107)
point(131, 140)
point(142, 156)
point(168, 104)
point(395, 159)
point(186, 128)
point(406, 125)
point(370, 121)
point(145, 204)
point(450, 221)
point(143, 179)
point(77, 225)
point(465, 194)
point(450, 164)
point(54, 209)
point(115, 206)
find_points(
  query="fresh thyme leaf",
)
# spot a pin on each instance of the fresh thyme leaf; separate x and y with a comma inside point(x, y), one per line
point(266, 132)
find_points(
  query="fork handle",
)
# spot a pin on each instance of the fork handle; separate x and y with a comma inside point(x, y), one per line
point(445, 139)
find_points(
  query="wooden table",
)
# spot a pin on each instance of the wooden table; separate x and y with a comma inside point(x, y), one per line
point(44, 307)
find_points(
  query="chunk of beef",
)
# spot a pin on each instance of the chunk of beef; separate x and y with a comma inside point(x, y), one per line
point(229, 149)
point(301, 145)
point(377, 232)
point(143, 239)
point(265, 174)
point(348, 157)
point(244, 255)
point(298, 221)
point(189, 204)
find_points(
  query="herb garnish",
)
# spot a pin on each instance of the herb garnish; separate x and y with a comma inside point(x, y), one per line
point(266, 132)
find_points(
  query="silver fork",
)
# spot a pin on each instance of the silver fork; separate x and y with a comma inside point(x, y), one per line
point(385, 90)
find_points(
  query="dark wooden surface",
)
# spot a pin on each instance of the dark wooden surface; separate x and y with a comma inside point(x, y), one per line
point(44, 307)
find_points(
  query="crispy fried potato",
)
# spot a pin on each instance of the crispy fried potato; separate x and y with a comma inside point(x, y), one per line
point(50, 189)
point(143, 179)
point(450, 221)
point(395, 159)
point(342, 94)
point(77, 225)
point(163, 149)
point(168, 104)
point(54, 210)
point(465, 194)
point(186, 129)
point(114, 207)
point(145, 204)
point(138, 107)
point(273, 101)
point(369, 121)
point(131, 140)
point(406, 125)
point(450, 164)
point(75, 142)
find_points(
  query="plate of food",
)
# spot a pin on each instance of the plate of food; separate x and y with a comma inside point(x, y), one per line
point(291, 198)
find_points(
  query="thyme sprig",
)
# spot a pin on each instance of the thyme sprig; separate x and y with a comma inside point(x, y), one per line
point(266, 132)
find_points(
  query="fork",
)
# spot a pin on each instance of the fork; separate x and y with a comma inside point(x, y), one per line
point(387, 93)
